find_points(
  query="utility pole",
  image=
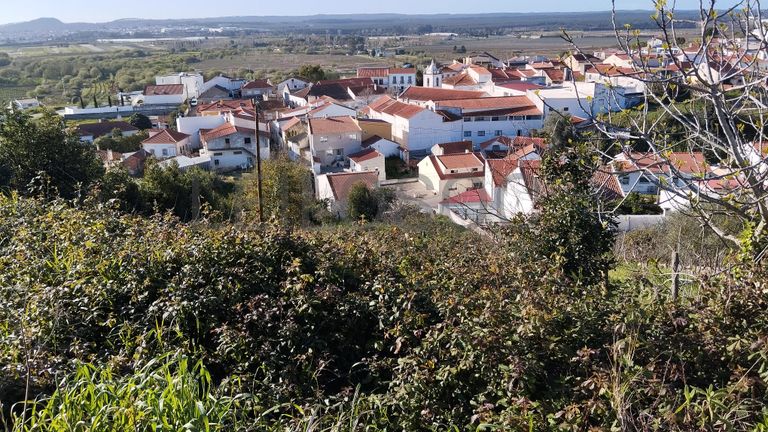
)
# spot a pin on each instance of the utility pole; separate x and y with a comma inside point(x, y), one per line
point(257, 108)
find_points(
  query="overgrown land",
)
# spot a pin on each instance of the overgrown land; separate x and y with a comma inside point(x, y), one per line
point(119, 315)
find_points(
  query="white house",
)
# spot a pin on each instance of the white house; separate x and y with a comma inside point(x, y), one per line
point(397, 79)
point(192, 126)
point(193, 83)
point(368, 160)
point(167, 144)
point(451, 174)
point(335, 188)
point(166, 94)
point(414, 128)
point(333, 139)
point(232, 147)
point(257, 89)
point(580, 99)
point(292, 84)
point(231, 84)
point(483, 118)
point(382, 145)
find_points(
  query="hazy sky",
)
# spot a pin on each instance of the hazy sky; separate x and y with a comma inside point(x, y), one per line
point(107, 10)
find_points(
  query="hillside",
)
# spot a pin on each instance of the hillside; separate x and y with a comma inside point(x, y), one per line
point(412, 324)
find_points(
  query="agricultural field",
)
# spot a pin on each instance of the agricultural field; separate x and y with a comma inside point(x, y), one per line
point(8, 94)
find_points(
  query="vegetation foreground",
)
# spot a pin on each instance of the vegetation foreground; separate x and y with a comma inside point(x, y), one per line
point(118, 322)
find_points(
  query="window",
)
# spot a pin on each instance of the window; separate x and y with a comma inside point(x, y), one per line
point(495, 119)
point(467, 134)
point(496, 147)
point(550, 109)
point(467, 119)
point(218, 154)
point(481, 133)
point(226, 140)
point(323, 139)
point(453, 171)
point(216, 162)
point(643, 180)
point(565, 109)
point(475, 169)
point(437, 81)
point(625, 180)
point(165, 152)
point(247, 141)
point(410, 80)
point(238, 152)
point(481, 119)
point(402, 80)
point(518, 118)
point(352, 136)
point(339, 152)
point(519, 132)
point(497, 133)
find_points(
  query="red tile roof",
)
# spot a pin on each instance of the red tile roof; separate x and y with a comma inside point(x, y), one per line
point(341, 183)
point(521, 86)
point(489, 103)
point(387, 105)
point(438, 94)
point(461, 80)
point(456, 164)
point(457, 161)
point(257, 84)
point(333, 125)
point(225, 105)
point(163, 90)
point(372, 72)
point(501, 168)
point(684, 162)
point(471, 196)
point(165, 137)
point(225, 130)
point(365, 155)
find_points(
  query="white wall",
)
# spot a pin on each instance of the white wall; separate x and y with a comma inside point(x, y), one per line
point(387, 148)
point(377, 164)
point(157, 150)
point(192, 125)
point(164, 99)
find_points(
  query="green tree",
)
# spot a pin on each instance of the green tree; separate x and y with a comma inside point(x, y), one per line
point(288, 194)
point(30, 148)
point(313, 73)
point(559, 130)
point(362, 203)
point(140, 121)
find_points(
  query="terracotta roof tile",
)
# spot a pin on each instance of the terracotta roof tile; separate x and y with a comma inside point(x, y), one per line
point(165, 137)
point(341, 183)
point(438, 94)
point(333, 125)
point(365, 155)
point(163, 90)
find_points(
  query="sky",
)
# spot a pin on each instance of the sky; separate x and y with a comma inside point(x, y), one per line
point(108, 10)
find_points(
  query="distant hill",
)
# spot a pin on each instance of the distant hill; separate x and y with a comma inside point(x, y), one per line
point(368, 23)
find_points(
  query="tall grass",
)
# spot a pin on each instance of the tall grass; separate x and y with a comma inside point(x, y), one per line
point(168, 393)
point(174, 393)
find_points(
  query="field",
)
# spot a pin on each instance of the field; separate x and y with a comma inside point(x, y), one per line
point(8, 94)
